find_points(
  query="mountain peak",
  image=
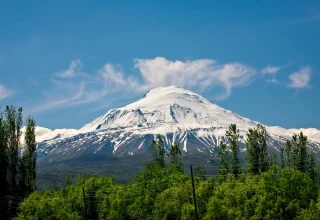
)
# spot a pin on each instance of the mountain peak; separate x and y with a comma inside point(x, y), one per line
point(168, 108)
point(166, 89)
point(166, 96)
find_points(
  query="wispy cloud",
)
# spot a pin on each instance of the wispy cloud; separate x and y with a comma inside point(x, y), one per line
point(271, 70)
point(5, 92)
point(74, 68)
point(58, 102)
point(74, 86)
point(301, 79)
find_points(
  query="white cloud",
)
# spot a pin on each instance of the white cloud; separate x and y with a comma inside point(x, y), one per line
point(77, 88)
point(300, 79)
point(5, 92)
point(53, 102)
point(201, 73)
point(75, 67)
point(271, 70)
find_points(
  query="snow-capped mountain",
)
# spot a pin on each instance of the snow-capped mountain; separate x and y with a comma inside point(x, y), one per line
point(168, 107)
point(181, 116)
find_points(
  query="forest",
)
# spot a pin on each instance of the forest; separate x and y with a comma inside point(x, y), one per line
point(266, 186)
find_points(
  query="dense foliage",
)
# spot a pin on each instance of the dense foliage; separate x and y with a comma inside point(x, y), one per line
point(257, 190)
point(17, 170)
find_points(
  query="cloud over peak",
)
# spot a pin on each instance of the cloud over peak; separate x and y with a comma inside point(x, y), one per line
point(74, 87)
point(200, 73)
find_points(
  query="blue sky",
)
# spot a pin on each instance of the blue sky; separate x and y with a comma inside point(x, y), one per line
point(67, 62)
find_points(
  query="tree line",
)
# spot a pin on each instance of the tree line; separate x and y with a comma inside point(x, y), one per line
point(263, 187)
point(17, 161)
point(294, 154)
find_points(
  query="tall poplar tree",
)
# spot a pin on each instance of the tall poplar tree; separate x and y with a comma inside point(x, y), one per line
point(158, 150)
point(253, 151)
point(224, 159)
point(288, 151)
point(264, 160)
point(296, 152)
point(282, 162)
point(312, 166)
point(258, 158)
point(29, 156)
point(14, 124)
point(3, 165)
point(297, 155)
point(302, 157)
point(232, 134)
point(175, 158)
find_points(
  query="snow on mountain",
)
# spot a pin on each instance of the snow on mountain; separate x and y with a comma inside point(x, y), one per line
point(168, 108)
point(181, 116)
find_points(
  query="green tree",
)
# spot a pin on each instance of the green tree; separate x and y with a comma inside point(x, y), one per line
point(67, 181)
point(29, 157)
point(158, 150)
point(282, 161)
point(204, 191)
point(312, 213)
point(302, 153)
point(199, 173)
point(175, 158)
point(297, 154)
point(288, 150)
point(256, 141)
point(272, 160)
point(14, 124)
point(224, 159)
point(312, 167)
point(169, 203)
point(253, 151)
point(3, 166)
point(272, 195)
point(264, 159)
point(232, 134)
point(13, 167)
